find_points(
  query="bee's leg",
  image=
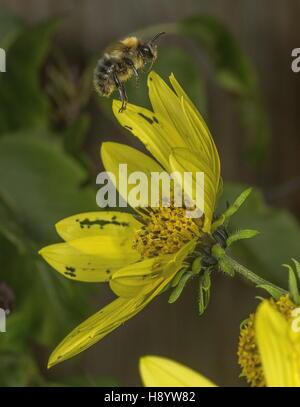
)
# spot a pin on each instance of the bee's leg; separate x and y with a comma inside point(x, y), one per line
point(134, 70)
point(122, 92)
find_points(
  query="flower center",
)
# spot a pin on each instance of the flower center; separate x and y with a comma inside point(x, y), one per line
point(248, 354)
point(165, 231)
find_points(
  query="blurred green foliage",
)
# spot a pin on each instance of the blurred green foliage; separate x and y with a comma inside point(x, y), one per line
point(23, 105)
point(40, 183)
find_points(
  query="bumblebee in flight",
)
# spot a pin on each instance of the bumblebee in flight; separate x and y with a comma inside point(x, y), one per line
point(120, 62)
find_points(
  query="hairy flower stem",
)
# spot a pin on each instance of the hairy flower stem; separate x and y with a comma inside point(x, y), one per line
point(249, 275)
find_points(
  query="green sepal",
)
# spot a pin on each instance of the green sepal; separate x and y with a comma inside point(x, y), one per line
point(219, 222)
point(244, 323)
point(179, 288)
point(259, 298)
point(293, 284)
point(196, 266)
point(204, 291)
point(273, 291)
point(217, 251)
point(232, 209)
point(178, 276)
point(237, 203)
point(297, 265)
point(240, 235)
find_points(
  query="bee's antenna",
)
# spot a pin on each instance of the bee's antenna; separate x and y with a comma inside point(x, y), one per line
point(156, 36)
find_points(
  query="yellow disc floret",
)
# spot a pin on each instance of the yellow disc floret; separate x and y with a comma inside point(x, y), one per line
point(165, 231)
point(248, 354)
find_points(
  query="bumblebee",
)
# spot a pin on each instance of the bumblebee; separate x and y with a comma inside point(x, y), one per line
point(120, 62)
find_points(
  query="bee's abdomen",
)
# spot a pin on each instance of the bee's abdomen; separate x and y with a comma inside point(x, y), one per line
point(103, 79)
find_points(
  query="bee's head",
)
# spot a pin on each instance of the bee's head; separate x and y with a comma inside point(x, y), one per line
point(148, 50)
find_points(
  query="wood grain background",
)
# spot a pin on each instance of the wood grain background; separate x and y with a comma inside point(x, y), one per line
point(268, 30)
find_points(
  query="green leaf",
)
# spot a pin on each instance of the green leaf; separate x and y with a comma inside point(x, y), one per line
point(41, 186)
point(233, 68)
point(264, 254)
point(75, 134)
point(74, 138)
point(23, 104)
point(18, 370)
point(10, 227)
point(43, 183)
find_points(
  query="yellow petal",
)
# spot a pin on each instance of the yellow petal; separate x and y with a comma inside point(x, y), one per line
point(128, 281)
point(97, 223)
point(95, 328)
point(116, 313)
point(166, 103)
point(114, 154)
point(90, 259)
point(181, 112)
point(181, 93)
point(156, 133)
point(279, 347)
point(183, 160)
point(103, 322)
point(200, 134)
point(161, 372)
point(201, 138)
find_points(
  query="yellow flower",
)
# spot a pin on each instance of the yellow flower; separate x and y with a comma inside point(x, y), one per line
point(138, 255)
point(269, 349)
point(278, 345)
